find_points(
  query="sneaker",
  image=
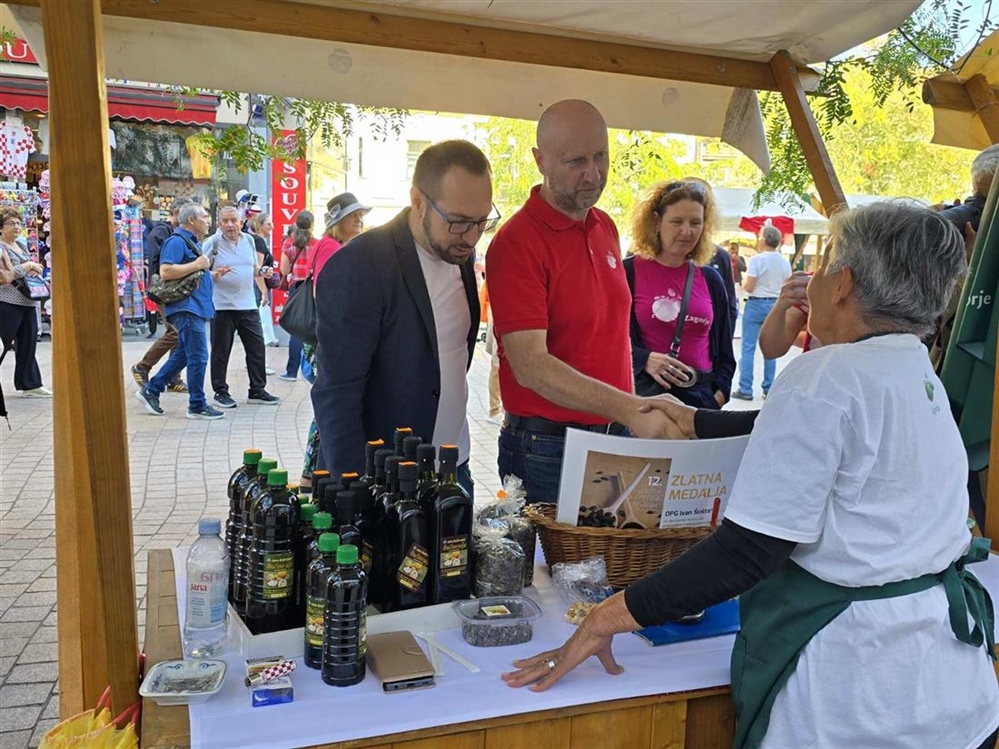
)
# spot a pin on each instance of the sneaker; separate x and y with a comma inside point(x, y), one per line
point(177, 386)
point(224, 400)
point(141, 377)
point(36, 393)
point(263, 397)
point(205, 413)
point(268, 371)
point(150, 401)
point(288, 378)
point(741, 395)
point(765, 394)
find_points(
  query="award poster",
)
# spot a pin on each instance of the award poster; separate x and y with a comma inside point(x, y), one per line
point(622, 482)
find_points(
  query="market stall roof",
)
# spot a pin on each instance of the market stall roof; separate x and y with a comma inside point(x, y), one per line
point(965, 103)
point(508, 58)
point(735, 205)
point(133, 103)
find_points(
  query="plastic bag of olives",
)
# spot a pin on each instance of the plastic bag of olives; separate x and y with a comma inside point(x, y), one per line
point(498, 561)
point(508, 509)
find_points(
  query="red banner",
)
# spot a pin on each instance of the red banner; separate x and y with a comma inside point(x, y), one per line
point(17, 50)
point(288, 200)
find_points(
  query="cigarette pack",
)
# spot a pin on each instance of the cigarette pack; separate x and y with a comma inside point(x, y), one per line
point(275, 692)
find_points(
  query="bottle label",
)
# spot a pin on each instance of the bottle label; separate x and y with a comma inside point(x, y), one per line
point(314, 610)
point(362, 636)
point(279, 575)
point(413, 569)
point(454, 556)
point(206, 599)
point(367, 554)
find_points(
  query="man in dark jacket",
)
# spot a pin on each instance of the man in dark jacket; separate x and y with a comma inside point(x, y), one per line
point(722, 262)
point(983, 171)
point(398, 315)
point(154, 243)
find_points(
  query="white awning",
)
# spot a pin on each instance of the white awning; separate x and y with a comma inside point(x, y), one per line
point(203, 57)
point(734, 204)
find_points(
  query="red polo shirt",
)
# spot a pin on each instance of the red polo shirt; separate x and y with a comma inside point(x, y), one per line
point(548, 272)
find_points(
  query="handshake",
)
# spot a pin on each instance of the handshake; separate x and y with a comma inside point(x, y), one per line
point(662, 417)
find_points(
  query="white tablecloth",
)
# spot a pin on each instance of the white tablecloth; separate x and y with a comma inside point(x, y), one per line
point(322, 714)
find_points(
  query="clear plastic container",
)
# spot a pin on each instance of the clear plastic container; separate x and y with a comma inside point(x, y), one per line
point(497, 620)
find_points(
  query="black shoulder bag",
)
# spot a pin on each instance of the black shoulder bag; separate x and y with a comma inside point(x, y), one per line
point(299, 314)
point(644, 384)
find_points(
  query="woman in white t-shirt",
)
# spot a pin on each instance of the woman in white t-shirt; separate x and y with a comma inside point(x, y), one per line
point(765, 276)
point(846, 531)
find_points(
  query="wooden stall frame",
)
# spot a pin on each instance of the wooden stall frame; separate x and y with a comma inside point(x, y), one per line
point(95, 562)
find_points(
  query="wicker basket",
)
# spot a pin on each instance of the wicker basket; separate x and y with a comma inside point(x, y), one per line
point(630, 555)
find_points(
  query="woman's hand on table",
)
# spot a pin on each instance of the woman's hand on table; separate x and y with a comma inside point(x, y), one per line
point(593, 637)
point(666, 370)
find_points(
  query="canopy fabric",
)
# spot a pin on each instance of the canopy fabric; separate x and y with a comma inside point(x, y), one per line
point(964, 129)
point(736, 212)
point(250, 61)
point(124, 102)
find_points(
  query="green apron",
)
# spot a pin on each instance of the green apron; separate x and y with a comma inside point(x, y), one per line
point(782, 613)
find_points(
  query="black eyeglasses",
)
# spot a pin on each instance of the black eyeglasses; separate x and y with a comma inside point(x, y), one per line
point(463, 226)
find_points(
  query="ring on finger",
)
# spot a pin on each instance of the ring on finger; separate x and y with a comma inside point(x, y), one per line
point(551, 664)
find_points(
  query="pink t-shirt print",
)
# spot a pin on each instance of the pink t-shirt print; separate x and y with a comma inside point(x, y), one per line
point(658, 294)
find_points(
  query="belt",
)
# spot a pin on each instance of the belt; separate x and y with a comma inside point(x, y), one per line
point(553, 428)
point(761, 297)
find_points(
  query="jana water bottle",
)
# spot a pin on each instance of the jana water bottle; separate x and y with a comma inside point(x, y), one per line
point(207, 582)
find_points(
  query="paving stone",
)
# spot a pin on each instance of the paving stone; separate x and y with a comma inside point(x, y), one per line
point(33, 672)
point(20, 629)
point(42, 585)
point(12, 645)
point(18, 718)
point(47, 598)
point(52, 709)
point(43, 727)
point(39, 653)
point(46, 634)
point(26, 614)
point(18, 576)
point(15, 695)
point(14, 739)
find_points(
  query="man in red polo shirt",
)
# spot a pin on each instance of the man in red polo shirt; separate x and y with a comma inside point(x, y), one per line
point(561, 307)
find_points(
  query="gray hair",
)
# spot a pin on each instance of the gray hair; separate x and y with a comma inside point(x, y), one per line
point(771, 236)
point(984, 168)
point(229, 209)
point(179, 203)
point(188, 212)
point(906, 262)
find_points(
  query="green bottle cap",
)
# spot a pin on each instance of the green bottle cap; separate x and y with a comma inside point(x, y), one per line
point(265, 465)
point(322, 521)
point(306, 512)
point(346, 554)
point(252, 456)
point(277, 477)
point(328, 543)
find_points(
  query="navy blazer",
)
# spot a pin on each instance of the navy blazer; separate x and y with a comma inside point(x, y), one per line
point(378, 362)
point(719, 337)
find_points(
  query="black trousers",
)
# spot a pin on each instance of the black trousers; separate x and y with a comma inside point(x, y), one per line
point(225, 326)
point(19, 324)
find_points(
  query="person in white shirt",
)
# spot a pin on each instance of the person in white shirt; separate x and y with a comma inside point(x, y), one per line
point(236, 310)
point(765, 275)
point(846, 533)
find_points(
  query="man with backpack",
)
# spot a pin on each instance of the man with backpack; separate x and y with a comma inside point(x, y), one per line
point(153, 245)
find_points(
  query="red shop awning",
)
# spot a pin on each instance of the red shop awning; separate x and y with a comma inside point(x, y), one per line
point(124, 102)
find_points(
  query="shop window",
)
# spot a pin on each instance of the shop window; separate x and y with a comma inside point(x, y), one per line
point(413, 150)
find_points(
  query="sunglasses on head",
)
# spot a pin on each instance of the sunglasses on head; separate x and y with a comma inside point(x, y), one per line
point(694, 188)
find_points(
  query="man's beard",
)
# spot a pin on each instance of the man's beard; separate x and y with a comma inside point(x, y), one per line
point(444, 251)
point(575, 201)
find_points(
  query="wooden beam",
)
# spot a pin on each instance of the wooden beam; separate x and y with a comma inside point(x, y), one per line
point(786, 74)
point(94, 555)
point(944, 94)
point(375, 28)
point(986, 105)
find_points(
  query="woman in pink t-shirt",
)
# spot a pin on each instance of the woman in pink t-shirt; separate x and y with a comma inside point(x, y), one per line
point(670, 238)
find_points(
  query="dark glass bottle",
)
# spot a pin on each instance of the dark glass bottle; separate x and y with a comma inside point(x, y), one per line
point(401, 433)
point(345, 626)
point(322, 522)
point(306, 536)
point(317, 577)
point(373, 446)
point(409, 447)
point(451, 554)
point(346, 506)
point(256, 487)
point(426, 490)
point(239, 482)
point(319, 480)
point(407, 576)
point(304, 494)
point(270, 599)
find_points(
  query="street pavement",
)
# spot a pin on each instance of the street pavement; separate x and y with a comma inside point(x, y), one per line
point(179, 469)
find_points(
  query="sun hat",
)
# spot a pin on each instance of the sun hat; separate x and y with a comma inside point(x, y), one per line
point(342, 206)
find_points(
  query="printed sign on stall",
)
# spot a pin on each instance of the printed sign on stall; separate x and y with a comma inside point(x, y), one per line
point(288, 199)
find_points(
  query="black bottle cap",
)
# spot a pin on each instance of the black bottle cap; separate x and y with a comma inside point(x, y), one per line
point(392, 465)
point(410, 445)
point(346, 500)
point(426, 455)
point(363, 500)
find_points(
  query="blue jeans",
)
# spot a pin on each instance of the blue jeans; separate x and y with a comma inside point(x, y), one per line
point(536, 459)
point(191, 352)
point(294, 357)
point(756, 312)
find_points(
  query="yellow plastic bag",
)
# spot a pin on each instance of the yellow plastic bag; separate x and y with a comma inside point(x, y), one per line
point(95, 729)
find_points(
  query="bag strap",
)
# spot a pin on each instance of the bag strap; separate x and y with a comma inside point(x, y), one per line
point(674, 346)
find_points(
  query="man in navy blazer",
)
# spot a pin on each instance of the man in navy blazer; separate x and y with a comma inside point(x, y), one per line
point(398, 316)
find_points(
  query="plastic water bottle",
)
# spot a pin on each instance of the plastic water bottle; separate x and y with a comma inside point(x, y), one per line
point(207, 582)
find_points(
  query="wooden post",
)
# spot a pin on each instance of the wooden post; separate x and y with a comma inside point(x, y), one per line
point(991, 529)
point(786, 74)
point(94, 554)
